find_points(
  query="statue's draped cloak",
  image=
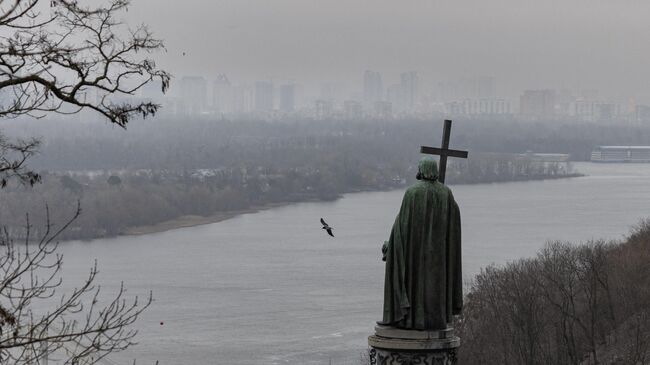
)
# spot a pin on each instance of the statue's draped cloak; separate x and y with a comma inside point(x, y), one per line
point(423, 284)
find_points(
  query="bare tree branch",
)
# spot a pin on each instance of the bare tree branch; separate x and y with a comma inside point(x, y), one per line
point(78, 328)
point(75, 55)
point(13, 157)
point(64, 56)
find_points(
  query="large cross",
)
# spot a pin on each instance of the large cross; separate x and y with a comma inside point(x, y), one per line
point(444, 152)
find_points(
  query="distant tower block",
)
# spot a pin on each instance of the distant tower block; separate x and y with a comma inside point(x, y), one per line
point(373, 90)
point(222, 95)
point(409, 89)
point(287, 98)
point(263, 96)
point(383, 110)
point(353, 110)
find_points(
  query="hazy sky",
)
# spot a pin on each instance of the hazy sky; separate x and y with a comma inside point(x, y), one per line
point(578, 44)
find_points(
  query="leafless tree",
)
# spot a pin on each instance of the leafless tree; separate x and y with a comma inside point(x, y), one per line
point(580, 304)
point(64, 56)
point(61, 56)
point(79, 326)
point(13, 157)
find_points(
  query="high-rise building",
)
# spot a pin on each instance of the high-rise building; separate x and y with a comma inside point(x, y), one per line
point(353, 110)
point(607, 112)
point(194, 94)
point(222, 95)
point(372, 87)
point(564, 100)
point(395, 96)
point(383, 110)
point(410, 86)
point(478, 107)
point(642, 113)
point(595, 111)
point(287, 97)
point(584, 110)
point(537, 103)
point(243, 99)
point(323, 109)
point(264, 96)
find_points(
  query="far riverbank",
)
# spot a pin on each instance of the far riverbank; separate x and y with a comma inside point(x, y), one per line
point(128, 202)
point(187, 221)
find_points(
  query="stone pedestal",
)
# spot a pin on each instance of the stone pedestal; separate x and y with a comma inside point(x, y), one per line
point(392, 346)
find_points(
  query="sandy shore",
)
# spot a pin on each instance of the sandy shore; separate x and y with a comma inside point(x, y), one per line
point(196, 220)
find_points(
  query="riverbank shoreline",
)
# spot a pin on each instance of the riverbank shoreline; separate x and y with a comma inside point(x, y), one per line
point(188, 221)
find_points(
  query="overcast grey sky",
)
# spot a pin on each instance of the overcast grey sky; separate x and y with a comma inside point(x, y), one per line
point(577, 44)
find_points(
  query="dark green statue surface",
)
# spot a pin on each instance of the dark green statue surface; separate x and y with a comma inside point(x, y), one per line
point(423, 284)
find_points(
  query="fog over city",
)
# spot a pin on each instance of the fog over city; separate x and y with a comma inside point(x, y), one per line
point(552, 44)
point(280, 182)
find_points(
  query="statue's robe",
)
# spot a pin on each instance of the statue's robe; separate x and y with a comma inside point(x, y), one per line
point(423, 284)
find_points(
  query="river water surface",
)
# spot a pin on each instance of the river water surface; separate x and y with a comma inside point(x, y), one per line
point(273, 288)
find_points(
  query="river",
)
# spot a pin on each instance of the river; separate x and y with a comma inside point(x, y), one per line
point(272, 288)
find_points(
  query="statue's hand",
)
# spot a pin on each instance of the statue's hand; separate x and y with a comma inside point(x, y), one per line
point(384, 250)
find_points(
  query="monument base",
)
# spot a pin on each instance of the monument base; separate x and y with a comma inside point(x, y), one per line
point(393, 346)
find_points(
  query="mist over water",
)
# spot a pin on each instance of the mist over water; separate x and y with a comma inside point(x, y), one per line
point(272, 288)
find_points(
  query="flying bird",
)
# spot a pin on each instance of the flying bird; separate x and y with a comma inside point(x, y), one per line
point(327, 227)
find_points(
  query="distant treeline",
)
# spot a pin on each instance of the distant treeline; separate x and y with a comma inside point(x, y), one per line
point(114, 202)
point(164, 144)
point(572, 304)
point(160, 170)
point(490, 168)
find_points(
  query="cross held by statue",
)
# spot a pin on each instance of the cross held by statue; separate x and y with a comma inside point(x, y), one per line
point(444, 152)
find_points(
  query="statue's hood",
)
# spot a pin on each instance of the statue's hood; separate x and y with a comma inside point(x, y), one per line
point(428, 169)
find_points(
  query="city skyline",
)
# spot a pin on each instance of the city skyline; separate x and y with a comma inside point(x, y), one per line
point(577, 44)
point(410, 97)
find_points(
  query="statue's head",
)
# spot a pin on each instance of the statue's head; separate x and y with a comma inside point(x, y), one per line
point(427, 169)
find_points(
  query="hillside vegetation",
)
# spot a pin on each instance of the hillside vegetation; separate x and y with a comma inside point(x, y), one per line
point(572, 304)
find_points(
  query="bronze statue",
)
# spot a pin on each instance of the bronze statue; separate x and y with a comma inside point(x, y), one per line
point(423, 284)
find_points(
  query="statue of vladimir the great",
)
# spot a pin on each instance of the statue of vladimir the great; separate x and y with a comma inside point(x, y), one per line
point(423, 284)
